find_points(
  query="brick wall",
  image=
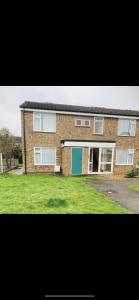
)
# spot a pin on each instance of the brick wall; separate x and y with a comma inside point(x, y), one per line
point(65, 129)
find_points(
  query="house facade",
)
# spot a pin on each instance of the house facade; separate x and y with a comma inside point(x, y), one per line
point(78, 140)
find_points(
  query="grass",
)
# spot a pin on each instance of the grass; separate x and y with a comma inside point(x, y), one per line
point(134, 187)
point(45, 194)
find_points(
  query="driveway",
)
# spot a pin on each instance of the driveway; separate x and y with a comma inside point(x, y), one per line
point(118, 191)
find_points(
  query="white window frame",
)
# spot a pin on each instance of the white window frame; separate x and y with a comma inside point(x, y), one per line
point(129, 151)
point(82, 123)
point(130, 121)
point(41, 164)
point(95, 125)
point(77, 124)
point(40, 130)
point(40, 114)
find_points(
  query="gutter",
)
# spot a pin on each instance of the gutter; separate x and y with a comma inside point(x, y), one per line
point(106, 115)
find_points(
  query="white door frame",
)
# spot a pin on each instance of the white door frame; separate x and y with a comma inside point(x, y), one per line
point(99, 161)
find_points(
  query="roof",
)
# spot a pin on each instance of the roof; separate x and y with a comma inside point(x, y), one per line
point(79, 109)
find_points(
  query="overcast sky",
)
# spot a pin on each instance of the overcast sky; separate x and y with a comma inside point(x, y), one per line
point(106, 96)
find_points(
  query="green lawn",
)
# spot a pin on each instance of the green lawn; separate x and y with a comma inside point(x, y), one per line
point(52, 194)
point(134, 187)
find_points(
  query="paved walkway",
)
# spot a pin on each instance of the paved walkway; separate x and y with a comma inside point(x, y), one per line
point(119, 192)
point(18, 171)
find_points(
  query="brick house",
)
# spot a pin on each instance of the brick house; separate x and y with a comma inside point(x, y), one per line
point(79, 140)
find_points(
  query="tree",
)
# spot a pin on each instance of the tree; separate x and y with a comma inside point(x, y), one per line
point(7, 144)
point(17, 153)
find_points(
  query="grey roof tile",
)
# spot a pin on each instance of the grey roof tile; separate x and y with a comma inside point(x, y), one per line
point(80, 109)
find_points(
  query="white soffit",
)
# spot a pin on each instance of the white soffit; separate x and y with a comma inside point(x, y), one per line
point(81, 114)
point(88, 144)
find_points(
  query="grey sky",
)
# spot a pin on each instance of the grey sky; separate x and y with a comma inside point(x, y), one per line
point(107, 96)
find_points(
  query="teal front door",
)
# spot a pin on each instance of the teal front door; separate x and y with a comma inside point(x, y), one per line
point(76, 161)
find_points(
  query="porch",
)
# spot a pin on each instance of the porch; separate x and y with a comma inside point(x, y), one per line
point(87, 157)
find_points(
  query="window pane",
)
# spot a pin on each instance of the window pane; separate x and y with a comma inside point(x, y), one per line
point(123, 127)
point(130, 158)
point(37, 114)
point(106, 154)
point(48, 156)
point(98, 127)
point(37, 150)
point(51, 156)
point(105, 168)
point(91, 155)
point(44, 122)
point(121, 156)
point(48, 122)
point(38, 158)
point(132, 129)
point(44, 156)
point(37, 123)
point(90, 167)
point(86, 122)
point(78, 122)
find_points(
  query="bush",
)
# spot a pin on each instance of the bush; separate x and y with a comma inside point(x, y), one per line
point(19, 165)
point(132, 173)
point(57, 203)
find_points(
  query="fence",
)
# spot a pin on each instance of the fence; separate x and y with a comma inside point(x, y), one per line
point(1, 163)
point(3, 166)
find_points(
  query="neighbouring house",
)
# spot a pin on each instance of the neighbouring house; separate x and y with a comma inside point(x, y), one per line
point(18, 150)
point(78, 140)
point(15, 159)
point(18, 140)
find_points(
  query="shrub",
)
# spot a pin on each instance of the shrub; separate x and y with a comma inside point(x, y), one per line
point(132, 173)
point(19, 165)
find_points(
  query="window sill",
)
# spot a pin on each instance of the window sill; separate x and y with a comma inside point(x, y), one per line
point(98, 133)
point(126, 135)
point(100, 173)
point(44, 131)
point(38, 165)
point(82, 126)
point(123, 164)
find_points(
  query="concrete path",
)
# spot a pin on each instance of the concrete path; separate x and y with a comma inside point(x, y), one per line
point(18, 171)
point(118, 191)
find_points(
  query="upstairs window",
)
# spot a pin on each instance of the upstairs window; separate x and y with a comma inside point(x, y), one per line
point(124, 156)
point(37, 121)
point(98, 125)
point(44, 122)
point(82, 123)
point(78, 123)
point(86, 123)
point(126, 127)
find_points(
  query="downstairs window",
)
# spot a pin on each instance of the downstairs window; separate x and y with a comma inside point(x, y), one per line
point(124, 156)
point(44, 156)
